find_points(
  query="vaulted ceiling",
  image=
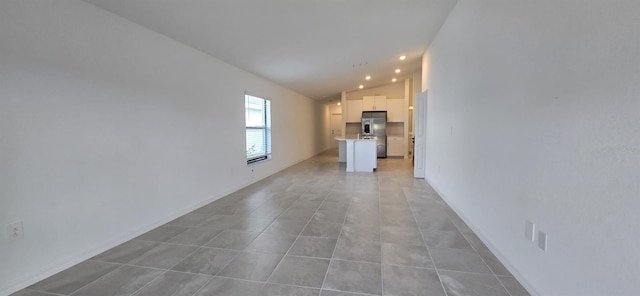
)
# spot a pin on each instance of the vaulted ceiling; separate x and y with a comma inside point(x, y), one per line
point(315, 47)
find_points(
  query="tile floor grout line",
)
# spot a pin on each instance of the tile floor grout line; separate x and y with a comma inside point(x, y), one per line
point(326, 274)
point(297, 237)
point(100, 277)
point(481, 258)
point(203, 285)
point(48, 293)
point(427, 246)
point(167, 270)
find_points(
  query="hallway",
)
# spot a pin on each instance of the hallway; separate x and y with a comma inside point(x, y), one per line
point(311, 229)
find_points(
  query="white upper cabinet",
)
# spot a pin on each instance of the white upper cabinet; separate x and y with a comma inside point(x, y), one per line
point(374, 103)
point(354, 110)
point(395, 110)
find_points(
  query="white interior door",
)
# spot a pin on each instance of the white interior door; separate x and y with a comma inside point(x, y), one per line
point(336, 129)
point(420, 134)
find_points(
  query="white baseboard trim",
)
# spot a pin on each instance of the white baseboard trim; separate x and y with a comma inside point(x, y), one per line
point(507, 264)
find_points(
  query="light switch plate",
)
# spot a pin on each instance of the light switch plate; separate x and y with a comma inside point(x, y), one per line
point(543, 239)
point(529, 230)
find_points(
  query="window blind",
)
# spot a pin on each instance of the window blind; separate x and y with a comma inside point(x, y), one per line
point(258, 128)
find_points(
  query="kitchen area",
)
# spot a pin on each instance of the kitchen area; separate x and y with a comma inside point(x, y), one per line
point(376, 125)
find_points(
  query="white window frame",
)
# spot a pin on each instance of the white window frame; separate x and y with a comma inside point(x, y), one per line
point(264, 125)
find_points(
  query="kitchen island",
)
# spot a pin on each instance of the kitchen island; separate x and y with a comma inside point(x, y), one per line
point(360, 155)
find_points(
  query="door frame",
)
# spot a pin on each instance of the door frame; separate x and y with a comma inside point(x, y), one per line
point(420, 135)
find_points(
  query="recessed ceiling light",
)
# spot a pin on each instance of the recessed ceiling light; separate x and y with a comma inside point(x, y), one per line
point(394, 80)
point(403, 57)
point(397, 70)
point(338, 103)
point(368, 77)
point(361, 86)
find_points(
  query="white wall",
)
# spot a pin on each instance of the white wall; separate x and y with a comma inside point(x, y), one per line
point(108, 129)
point(534, 113)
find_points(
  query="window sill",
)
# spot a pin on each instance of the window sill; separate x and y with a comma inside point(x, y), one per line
point(259, 160)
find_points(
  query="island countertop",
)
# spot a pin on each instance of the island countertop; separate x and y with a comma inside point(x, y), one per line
point(358, 153)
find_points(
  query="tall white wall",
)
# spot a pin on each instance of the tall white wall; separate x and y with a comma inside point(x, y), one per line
point(534, 113)
point(108, 129)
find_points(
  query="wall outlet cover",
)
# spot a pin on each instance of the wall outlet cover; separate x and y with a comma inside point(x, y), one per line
point(543, 239)
point(15, 231)
point(529, 230)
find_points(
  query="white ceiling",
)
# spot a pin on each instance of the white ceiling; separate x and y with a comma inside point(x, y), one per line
point(315, 47)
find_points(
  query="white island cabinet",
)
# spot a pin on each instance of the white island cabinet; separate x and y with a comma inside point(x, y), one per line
point(359, 154)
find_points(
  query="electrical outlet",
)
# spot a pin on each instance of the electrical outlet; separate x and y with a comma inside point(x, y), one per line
point(529, 230)
point(15, 231)
point(543, 240)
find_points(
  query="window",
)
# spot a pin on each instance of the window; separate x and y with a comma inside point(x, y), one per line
point(257, 112)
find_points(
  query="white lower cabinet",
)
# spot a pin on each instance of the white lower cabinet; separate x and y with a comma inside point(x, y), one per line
point(395, 146)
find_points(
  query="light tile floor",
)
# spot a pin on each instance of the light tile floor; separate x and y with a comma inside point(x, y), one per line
point(311, 229)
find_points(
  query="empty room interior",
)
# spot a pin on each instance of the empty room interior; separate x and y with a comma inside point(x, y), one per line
point(229, 148)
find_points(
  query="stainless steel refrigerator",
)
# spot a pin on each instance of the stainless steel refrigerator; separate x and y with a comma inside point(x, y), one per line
point(374, 124)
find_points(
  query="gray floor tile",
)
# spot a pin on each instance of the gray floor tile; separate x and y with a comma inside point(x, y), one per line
point(390, 219)
point(306, 204)
point(315, 194)
point(120, 282)
point(251, 266)
point(282, 290)
point(362, 219)
point(399, 280)
point(174, 284)
point(74, 278)
point(300, 271)
point(494, 264)
point(328, 216)
point(232, 239)
point(437, 224)
point(126, 252)
point(252, 224)
point(358, 250)
point(163, 256)
point(406, 255)
point(230, 287)
point(221, 221)
point(476, 243)
point(356, 277)
point(336, 206)
point(446, 239)
point(458, 260)
point(271, 243)
point(196, 236)
point(206, 261)
point(338, 293)
point(297, 214)
point(27, 292)
point(313, 247)
point(285, 227)
point(190, 220)
point(401, 235)
point(513, 286)
point(364, 231)
point(322, 229)
point(471, 284)
point(162, 233)
point(268, 212)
